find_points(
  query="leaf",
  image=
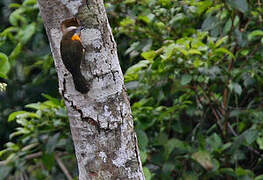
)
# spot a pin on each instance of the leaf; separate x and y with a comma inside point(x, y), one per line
point(190, 176)
point(260, 177)
point(165, 2)
point(214, 141)
point(36, 106)
point(243, 172)
point(255, 34)
point(240, 5)
point(236, 21)
point(147, 19)
point(199, 46)
point(197, 63)
point(127, 22)
point(29, 2)
point(48, 160)
point(209, 23)
point(62, 112)
point(22, 114)
point(147, 173)
point(235, 87)
point(143, 155)
point(225, 51)
point(237, 143)
point(221, 41)
point(186, 79)
point(176, 18)
point(3, 76)
point(16, 16)
point(135, 68)
point(161, 139)
point(52, 143)
point(4, 64)
point(14, 5)
point(2, 152)
point(26, 34)
point(260, 142)
point(235, 113)
point(132, 72)
point(176, 143)
point(29, 147)
point(241, 37)
point(227, 26)
point(13, 115)
point(167, 167)
point(129, 1)
point(203, 5)
point(168, 51)
point(227, 171)
point(4, 171)
point(12, 146)
point(244, 52)
point(15, 52)
point(194, 51)
point(149, 55)
point(183, 51)
point(250, 135)
point(204, 159)
point(20, 131)
point(142, 139)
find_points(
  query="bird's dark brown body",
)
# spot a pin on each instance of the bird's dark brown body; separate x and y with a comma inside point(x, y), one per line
point(72, 53)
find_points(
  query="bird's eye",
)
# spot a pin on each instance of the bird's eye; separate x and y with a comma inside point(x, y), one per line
point(75, 37)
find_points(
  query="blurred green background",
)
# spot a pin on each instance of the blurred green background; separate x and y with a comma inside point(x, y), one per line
point(194, 74)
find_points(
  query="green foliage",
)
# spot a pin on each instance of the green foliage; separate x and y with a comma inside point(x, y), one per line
point(24, 46)
point(4, 65)
point(26, 67)
point(196, 94)
point(43, 133)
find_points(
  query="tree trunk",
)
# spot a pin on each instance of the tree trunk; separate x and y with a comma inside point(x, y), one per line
point(100, 120)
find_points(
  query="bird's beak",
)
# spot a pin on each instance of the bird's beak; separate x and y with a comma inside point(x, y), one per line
point(77, 34)
point(78, 30)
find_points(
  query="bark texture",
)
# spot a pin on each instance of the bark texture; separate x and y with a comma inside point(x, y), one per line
point(100, 120)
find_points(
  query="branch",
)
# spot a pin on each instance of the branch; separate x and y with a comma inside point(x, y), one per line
point(3, 163)
point(34, 155)
point(63, 167)
point(249, 148)
point(212, 108)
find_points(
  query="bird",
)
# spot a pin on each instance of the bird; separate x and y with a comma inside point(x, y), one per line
point(72, 52)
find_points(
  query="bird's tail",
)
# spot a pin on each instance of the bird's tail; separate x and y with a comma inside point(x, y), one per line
point(81, 84)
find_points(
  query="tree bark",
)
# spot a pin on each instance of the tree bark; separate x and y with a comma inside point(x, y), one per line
point(100, 120)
